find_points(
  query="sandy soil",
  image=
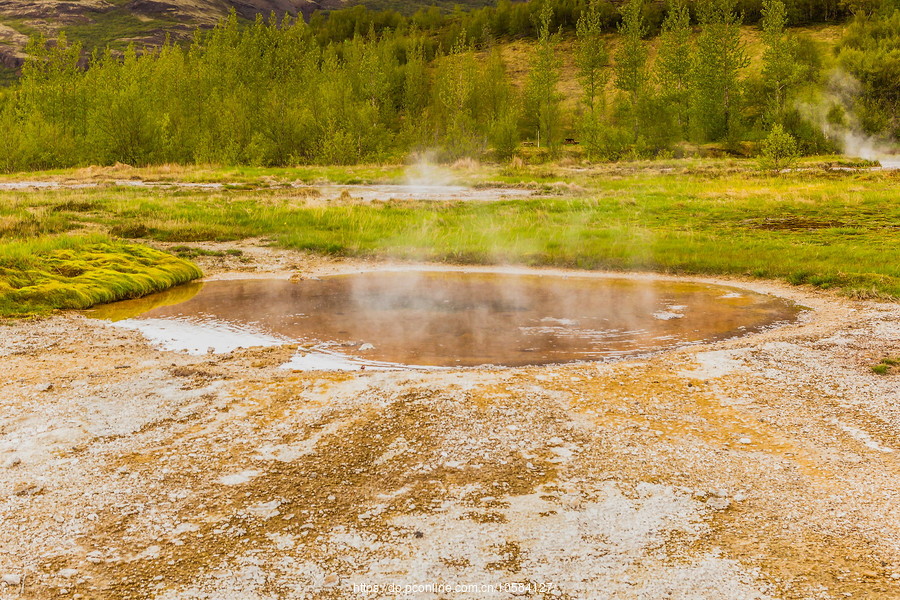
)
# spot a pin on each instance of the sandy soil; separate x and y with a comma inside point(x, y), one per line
point(763, 467)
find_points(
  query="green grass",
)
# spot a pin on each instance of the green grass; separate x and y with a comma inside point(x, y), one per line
point(8, 76)
point(886, 366)
point(41, 275)
point(831, 230)
point(192, 252)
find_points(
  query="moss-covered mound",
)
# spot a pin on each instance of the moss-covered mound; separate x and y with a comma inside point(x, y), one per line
point(37, 277)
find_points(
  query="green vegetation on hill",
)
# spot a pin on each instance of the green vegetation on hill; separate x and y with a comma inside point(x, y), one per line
point(115, 30)
point(276, 93)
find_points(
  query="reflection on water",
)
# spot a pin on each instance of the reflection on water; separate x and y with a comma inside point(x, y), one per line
point(458, 319)
point(127, 309)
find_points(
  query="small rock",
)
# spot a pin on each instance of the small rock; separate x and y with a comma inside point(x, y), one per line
point(45, 387)
point(12, 579)
point(265, 510)
point(68, 573)
point(745, 440)
point(32, 489)
point(718, 503)
point(365, 347)
point(13, 461)
point(239, 478)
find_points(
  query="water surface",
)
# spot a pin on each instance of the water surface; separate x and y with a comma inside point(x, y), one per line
point(448, 318)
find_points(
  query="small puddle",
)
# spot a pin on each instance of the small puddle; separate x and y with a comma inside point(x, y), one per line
point(328, 192)
point(425, 193)
point(387, 319)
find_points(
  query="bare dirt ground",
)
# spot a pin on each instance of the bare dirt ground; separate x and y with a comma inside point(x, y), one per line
point(762, 467)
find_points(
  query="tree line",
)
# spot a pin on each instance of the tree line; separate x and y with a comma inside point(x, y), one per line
point(517, 19)
point(274, 94)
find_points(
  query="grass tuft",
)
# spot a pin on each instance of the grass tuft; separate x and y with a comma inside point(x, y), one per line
point(887, 365)
point(42, 275)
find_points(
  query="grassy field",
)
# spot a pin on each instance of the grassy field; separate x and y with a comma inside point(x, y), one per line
point(830, 229)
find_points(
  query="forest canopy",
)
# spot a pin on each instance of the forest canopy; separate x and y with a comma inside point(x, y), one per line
point(359, 85)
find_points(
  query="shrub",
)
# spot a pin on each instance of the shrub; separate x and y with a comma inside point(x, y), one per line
point(779, 150)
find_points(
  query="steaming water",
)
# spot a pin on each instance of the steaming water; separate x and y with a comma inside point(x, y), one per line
point(431, 193)
point(436, 192)
point(444, 319)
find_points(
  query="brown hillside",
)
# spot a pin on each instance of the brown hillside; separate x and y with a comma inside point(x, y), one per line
point(98, 23)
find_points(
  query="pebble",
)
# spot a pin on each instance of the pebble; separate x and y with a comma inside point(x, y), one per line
point(239, 478)
point(745, 440)
point(365, 347)
point(67, 573)
point(718, 503)
point(45, 387)
point(12, 579)
point(11, 462)
point(30, 490)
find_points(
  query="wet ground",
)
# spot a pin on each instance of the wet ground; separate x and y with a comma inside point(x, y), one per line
point(446, 318)
point(327, 192)
point(763, 466)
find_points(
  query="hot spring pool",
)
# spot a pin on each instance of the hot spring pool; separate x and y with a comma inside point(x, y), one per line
point(447, 318)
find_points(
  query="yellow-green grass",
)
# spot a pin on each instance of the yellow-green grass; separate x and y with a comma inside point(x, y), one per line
point(828, 229)
point(568, 166)
point(60, 272)
point(887, 365)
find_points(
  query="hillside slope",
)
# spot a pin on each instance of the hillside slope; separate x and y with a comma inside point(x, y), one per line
point(117, 23)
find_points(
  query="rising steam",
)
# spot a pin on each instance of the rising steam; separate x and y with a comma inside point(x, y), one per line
point(833, 113)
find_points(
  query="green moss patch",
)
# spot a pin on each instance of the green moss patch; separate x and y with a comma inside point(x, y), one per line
point(37, 277)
